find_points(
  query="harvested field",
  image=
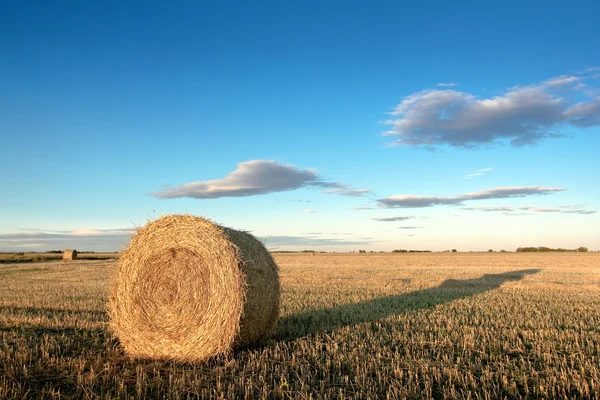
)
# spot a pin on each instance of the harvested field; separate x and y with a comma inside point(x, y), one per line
point(455, 325)
point(11, 258)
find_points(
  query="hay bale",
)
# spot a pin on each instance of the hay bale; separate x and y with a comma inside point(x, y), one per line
point(69, 255)
point(187, 289)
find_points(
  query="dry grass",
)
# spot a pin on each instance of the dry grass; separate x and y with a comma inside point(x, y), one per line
point(353, 326)
point(11, 258)
point(181, 288)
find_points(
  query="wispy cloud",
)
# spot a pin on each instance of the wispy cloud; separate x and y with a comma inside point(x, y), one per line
point(562, 80)
point(516, 214)
point(449, 84)
point(479, 172)
point(346, 191)
point(47, 233)
point(392, 219)
point(258, 177)
point(307, 211)
point(523, 115)
point(81, 239)
point(416, 201)
point(362, 208)
point(306, 241)
point(508, 210)
point(410, 227)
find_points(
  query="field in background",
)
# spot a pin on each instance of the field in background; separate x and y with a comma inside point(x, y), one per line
point(457, 325)
point(8, 258)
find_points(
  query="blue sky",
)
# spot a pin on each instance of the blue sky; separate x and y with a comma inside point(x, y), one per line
point(323, 125)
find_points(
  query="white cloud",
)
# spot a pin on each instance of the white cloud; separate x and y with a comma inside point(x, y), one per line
point(307, 241)
point(514, 214)
point(347, 191)
point(479, 172)
point(449, 84)
point(392, 219)
point(508, 210)
point(585, 114)
point(364, 207)
point(307, 211)
point(416, 201)
point(522, 115)
point(257, 177)
point(562, 80)
point(80, 239)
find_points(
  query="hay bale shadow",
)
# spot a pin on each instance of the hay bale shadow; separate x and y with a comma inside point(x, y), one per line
point(326, 320)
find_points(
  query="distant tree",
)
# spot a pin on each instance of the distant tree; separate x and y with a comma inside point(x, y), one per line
point(454, 250)
point(527, 249)
point(543, 249)
point(582, 249)
point(490, 251)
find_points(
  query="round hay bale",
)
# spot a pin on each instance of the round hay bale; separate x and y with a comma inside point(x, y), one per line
point(187, 289)
point(69, 255)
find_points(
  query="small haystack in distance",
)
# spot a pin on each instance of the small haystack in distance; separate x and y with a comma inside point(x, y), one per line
point(187, 289)
point(69, 255)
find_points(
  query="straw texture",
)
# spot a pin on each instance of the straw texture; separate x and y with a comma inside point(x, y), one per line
point(69, 255)
point(187, 289)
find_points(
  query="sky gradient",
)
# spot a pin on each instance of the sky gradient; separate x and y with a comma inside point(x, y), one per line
point(331, 126)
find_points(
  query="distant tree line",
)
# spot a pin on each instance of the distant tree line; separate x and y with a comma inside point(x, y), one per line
point(411, 251)
point(548, 249)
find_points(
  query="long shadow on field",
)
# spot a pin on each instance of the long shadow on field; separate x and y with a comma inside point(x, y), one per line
point(64, 341)
point(39, 359)
point(328, 319)
point(69, 340)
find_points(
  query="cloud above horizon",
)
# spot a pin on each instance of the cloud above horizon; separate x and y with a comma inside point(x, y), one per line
point(270, 241)
point(479, 172)
point(392, 219)
point(417, 201)
point(511, 211)
point(523, 115)
point(256, 177)
point(81, 239)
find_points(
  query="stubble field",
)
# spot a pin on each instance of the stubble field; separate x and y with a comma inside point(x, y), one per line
point(365, 326)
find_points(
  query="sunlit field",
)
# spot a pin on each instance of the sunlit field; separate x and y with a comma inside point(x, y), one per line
point(9, 258)
point(365, 326)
